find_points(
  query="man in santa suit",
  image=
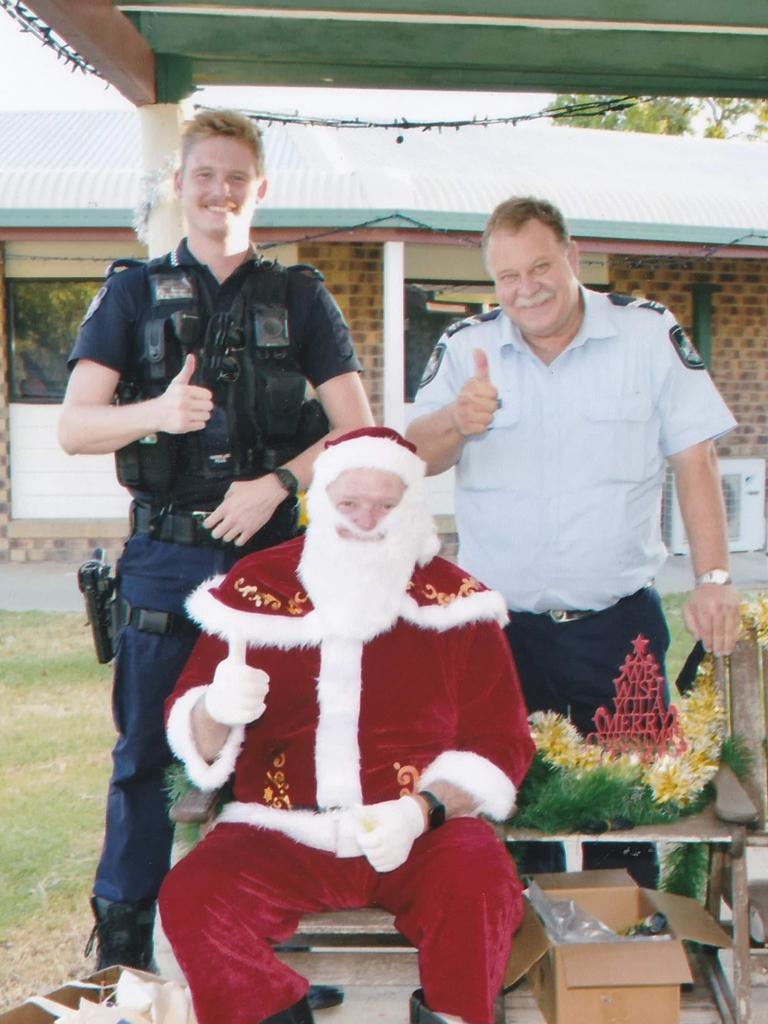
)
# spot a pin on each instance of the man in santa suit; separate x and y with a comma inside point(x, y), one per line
point(362, 693)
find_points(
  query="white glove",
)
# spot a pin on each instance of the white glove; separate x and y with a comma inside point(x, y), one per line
point(347, 827)
point(237, 694)
point(387, 831)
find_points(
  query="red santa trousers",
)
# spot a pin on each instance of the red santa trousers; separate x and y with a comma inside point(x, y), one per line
point(457, 899)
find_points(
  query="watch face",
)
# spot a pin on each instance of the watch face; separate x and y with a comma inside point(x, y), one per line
point(719, 576)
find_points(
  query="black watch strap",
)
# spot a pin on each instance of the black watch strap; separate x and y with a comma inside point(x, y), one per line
point(287, 480)
point(435, 809)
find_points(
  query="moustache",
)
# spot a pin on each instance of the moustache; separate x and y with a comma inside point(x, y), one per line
point(537, 300)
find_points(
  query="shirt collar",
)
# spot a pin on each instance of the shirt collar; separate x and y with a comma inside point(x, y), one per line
point(182, 256)
point(596, 323)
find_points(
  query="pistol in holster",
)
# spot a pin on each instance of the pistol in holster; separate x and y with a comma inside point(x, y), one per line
point(97, 585)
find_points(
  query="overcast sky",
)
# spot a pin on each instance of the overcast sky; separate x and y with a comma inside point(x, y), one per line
point(32, 78)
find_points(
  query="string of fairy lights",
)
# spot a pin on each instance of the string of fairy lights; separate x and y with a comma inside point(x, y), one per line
point(589, 108)
point(28, 21)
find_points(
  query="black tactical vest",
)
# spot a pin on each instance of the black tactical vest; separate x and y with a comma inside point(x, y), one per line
point(246, 357)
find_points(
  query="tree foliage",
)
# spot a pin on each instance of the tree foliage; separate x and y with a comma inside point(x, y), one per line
point(712, 117)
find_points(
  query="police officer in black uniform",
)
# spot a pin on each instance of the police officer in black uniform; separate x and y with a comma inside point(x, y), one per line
point(193, 369)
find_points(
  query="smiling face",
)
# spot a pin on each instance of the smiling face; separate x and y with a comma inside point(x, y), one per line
point(219, 188)
point(364, 497)
point(535, 277)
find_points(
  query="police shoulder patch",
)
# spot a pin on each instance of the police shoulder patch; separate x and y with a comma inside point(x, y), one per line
point(685, 348)
point(94, 304)
point(433, 364)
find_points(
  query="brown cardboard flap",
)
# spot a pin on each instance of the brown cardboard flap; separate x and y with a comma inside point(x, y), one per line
point(688, 919)
point(601, 879)
point(529, 945)
point(615, 964)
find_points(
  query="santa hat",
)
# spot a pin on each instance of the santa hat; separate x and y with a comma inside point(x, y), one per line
point(369, 448)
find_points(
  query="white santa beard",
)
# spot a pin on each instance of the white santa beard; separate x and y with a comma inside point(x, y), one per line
point(357, 586)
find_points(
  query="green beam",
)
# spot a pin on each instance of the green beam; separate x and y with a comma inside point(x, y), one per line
point(283, 51)
point(735, 13)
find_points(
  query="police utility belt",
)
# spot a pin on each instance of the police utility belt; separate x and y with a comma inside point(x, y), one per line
point(563, 615)
point(174, 527)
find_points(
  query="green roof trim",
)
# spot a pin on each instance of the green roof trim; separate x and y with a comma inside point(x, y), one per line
point(65, 218)
point(315, 222)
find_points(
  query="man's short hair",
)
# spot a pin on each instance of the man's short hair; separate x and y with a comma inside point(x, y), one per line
point(514, 213)
point(210, 124)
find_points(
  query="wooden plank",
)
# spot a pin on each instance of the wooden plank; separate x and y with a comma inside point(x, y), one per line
point(106, 38)
point(695, 828)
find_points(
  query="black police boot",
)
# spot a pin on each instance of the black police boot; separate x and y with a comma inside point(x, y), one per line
point(322, 997)
point(299, 1013)
point(122, 933)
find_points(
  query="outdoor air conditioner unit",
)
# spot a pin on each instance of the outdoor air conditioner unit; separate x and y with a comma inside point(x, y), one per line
point(743, 483)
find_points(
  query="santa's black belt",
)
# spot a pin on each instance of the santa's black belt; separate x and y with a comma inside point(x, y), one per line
point(173, 527)
point(148, 620)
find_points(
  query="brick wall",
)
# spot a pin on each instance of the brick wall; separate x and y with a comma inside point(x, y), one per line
point(354, 276)
point(739, 331)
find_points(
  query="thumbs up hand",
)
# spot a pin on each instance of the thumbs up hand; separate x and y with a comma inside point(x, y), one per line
point(478, 399)
point(183, 406)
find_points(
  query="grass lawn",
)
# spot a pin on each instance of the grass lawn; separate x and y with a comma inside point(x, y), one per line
point(55, 738)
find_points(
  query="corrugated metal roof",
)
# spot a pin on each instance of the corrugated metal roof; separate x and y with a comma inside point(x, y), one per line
point(609, 184)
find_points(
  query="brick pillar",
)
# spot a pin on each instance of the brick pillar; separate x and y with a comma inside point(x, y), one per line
point(353, 275)
point(5, 480)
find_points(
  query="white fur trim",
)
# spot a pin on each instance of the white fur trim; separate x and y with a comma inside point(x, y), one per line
point(312, 829)
point(285, 632)
point(483, 606)
point(477, 776)
point(367, 453)
point(337, 751)
point(181, 741)
point(257, 630)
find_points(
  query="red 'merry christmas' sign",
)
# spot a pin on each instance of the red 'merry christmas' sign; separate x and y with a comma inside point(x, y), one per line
point(640, 724)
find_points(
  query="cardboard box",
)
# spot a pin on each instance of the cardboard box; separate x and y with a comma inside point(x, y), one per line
point(97, 987)
point(607, 982)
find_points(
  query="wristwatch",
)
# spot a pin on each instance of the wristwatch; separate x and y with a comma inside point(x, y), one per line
point(435, 809)
point(287, 480)
point(718, 576)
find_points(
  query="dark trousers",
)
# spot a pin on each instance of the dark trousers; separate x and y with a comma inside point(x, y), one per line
point(137, 842)
point(570, 667)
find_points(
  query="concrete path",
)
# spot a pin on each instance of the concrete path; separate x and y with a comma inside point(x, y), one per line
point(52, 586)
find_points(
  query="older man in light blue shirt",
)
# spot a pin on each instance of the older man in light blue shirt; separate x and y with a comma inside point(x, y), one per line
point(560, 410)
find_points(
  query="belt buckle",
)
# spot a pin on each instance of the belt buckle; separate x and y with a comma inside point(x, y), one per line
point(559, 614)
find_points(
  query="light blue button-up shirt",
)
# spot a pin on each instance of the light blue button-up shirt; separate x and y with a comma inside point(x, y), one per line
point(558, 504)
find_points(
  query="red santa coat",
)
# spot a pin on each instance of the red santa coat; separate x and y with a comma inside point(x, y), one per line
point(434, 697)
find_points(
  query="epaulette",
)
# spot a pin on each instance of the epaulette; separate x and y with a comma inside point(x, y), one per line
point(629, 300)
point(307, 270)
point(124, 263)
point(472, 321)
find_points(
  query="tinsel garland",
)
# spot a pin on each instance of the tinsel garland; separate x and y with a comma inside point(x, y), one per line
point(575, 786)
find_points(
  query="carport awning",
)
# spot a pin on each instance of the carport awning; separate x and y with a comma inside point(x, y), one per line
point(160, 52)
